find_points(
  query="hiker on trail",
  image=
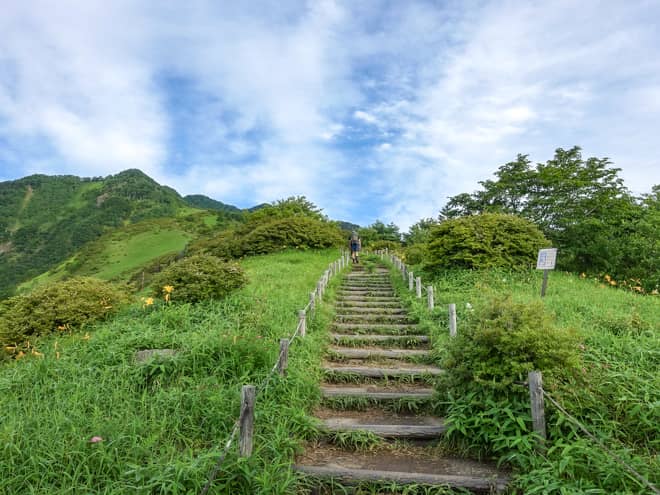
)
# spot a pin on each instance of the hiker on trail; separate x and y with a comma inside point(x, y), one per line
point(354, 244)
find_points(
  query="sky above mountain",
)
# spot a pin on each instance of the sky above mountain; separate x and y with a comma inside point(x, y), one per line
point(370, 109)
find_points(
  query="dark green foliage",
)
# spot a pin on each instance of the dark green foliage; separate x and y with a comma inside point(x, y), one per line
point(198, 278)
point(204, 202)
point(378, 231)
point(484, 241)
point(62, 306)
point(419, 233)
point(273, 235)
point(415, 254)
point(582, 206)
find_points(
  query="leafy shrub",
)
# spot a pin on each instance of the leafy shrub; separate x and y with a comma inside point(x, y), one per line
point(61, 306)
point(505, 340)
point(275, 235)
point(199, 277)
point(495, 349)
point(415, 254)
point(484, 241)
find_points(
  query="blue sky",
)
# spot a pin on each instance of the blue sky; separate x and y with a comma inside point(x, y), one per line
point(370, 109)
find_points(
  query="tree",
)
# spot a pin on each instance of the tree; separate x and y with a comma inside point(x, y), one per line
point(581, 205)
point(419, 232)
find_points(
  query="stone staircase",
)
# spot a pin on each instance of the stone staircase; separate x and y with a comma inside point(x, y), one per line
point(377, 382)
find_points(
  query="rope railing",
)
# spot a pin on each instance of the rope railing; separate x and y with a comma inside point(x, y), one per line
point(537, 396)
point(247, 406)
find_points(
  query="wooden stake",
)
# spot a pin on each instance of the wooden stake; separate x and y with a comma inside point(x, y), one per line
point(544, 284)
point(312, 302)
point(452, 320)
point(429, 290)
point(248, 395)
point(283, 362)
point(302, 322)
point(418, 286)
point(410, 281)
point(535, 381)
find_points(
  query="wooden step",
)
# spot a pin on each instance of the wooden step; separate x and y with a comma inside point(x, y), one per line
point(375, 328)
point(368, 304)
point(372, 317)
point(352, 353)
point(414, 465)
point(382, 423)
point(382, 371)
point(375, 338)
point(376, 393)
point(368, 310)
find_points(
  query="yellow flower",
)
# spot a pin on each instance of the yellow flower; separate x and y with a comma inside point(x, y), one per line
point(20, 355)
point(86, 337)
point(168, 289)
point(612, 282)
point(583, 275)
point(608, 278)
point(148, 301)
point(36, 353)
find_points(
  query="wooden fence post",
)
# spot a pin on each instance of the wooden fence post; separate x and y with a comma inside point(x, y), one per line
point(418, 286)
point(410, 281)
point(319, 290)
point(302, 317)
point(535, 381)
point(283, 362)
point(452, 320)
point(404, 270)
point(248, 394)
point(429, 290)
point(312, 301)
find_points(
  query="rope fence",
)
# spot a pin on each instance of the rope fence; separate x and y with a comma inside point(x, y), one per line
point(535, 381)
point(244, 424)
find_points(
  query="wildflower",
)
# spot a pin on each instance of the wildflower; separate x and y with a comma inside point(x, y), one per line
point(612, 282)
point(95, 439)
point(147, 302)
point(168, 289)
point(37, 353)
point(20, 355)
point(86, 337)
point(583, 275)
point(608, 278)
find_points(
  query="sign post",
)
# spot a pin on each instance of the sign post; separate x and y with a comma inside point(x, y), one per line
point(546, 262)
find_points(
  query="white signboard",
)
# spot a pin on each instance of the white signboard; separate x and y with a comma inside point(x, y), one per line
point(546, 259)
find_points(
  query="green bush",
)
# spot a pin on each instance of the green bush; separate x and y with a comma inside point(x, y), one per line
point(487, 363)
point(382, 244)
point(501, 342)
point(198, 278)
point(61, 306)
point(415, 254)
point(274, 235)
point(484, 241)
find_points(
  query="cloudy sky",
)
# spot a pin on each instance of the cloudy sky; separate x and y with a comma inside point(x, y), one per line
point(372, 109)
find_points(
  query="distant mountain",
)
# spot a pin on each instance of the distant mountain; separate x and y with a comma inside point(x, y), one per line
point(348, 226)
point(206, 203)
point(44, 219)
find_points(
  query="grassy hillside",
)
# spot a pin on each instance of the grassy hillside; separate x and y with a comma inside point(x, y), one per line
point(615, 392)
point(163, 423)
point(44, 219)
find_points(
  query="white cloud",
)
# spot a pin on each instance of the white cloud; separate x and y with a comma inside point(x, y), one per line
point(286, 92)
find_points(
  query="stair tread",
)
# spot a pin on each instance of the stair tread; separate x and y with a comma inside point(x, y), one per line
point(361, 353)
point(413, 465)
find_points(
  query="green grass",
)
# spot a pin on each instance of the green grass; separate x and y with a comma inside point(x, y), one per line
point(126, 254)
point(164, 422)
point(616, 394)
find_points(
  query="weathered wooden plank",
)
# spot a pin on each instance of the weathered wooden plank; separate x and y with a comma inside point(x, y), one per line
point(380, 372)
point(353, 476)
